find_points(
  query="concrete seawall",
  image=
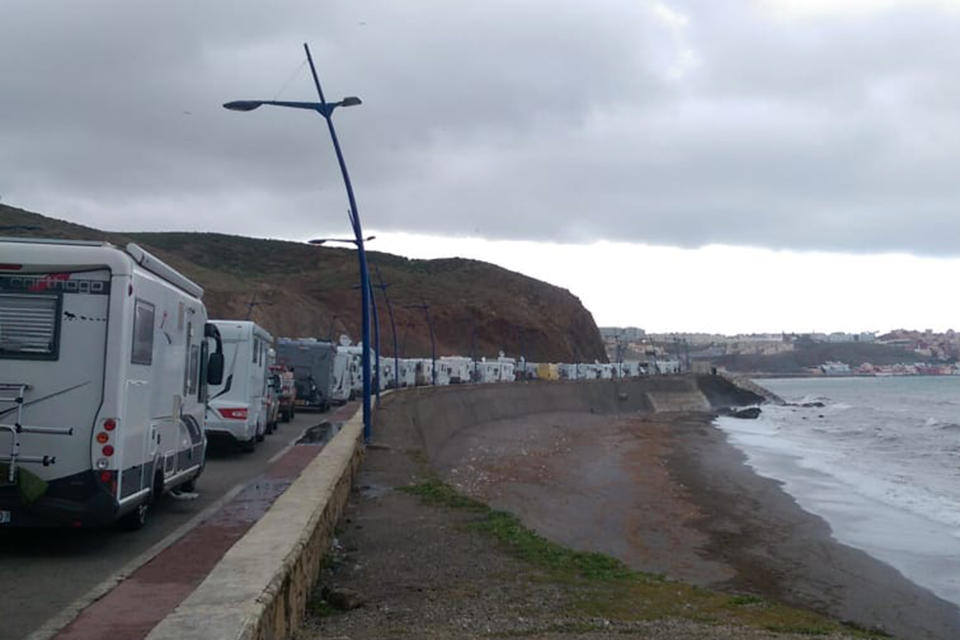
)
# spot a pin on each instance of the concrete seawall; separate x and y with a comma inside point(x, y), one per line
point(437, 413)
point(260, 589)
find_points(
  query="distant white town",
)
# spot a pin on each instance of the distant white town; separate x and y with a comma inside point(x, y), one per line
point(922, 352)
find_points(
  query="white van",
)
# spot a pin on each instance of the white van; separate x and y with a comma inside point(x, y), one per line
point(103, 372)
point(236, 411)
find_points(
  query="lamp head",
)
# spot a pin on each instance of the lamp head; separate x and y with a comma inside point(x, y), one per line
point(350, 101)
point(319, 241)
point(242, 105)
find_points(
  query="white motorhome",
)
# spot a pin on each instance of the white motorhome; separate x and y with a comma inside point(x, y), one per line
point(312, 362)
point(456, 369)
point(423, 372)
point(526, 370)
point(103, 381)
point(341, 378)
point(568, 371)
point(666, 367)
point(408, 372)
point(236, 411)
point(387, 380)
point(355, 352)
point(631, 369)
point(500, 370)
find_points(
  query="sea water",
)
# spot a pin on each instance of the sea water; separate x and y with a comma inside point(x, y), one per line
point(880, 462)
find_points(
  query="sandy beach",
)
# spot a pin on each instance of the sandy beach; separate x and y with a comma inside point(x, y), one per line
point(667, 494)
point(664, 493)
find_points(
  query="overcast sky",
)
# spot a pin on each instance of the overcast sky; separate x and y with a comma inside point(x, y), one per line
point(823, 130)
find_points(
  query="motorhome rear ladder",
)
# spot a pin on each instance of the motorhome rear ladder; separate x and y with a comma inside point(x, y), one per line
point(12, 393)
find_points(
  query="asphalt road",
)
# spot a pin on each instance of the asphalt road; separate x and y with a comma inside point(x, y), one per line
point(43, 571)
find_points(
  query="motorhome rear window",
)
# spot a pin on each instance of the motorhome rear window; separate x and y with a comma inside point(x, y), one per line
point(29, 326)
point(143, 316)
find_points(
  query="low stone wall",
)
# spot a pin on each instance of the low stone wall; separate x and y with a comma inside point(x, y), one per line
point(260, 588)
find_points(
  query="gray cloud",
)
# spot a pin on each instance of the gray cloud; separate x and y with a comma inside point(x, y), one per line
point(682, 123)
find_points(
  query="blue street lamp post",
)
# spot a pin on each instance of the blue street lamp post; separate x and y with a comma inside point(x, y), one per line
point(326, 109)
point(376, 340)
point(393, 328)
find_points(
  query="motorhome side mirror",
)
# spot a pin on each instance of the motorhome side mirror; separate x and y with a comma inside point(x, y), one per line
point(215, 369)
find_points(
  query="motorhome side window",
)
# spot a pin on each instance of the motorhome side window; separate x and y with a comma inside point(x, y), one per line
point(143, 316)
point(29, 326)
point(256, 349)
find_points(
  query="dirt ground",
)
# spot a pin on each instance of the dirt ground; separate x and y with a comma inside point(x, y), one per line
point(665, 494)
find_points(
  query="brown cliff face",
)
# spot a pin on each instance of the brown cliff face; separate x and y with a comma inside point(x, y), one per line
point(297, 290)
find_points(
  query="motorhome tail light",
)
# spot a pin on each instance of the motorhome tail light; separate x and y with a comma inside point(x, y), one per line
point(109, 424)
point(102, 437)
point(108, 450)
point(7, 266)
point(239, 413)
point(109, 480)
point(102, 463)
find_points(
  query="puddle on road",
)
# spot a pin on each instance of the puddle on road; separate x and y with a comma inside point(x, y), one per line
point(320, 434)
point(252, 502)
point(261, 492)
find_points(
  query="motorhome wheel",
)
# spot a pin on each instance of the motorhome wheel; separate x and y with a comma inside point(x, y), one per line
point(136, 519)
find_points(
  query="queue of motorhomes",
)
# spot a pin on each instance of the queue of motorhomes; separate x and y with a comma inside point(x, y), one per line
point(237, 408)
point(105, 360)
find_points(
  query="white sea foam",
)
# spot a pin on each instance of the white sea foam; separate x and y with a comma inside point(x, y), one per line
point(880, 463)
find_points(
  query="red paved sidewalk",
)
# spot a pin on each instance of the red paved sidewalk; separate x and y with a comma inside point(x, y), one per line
point(141, 601)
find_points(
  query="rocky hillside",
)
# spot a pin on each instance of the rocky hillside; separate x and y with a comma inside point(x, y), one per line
point(298, 290)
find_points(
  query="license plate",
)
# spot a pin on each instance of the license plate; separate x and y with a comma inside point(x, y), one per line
point(4, 517)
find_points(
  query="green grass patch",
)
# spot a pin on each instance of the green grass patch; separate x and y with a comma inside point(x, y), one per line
point(600, 586)
point(542, 553)
point(744, 601)
point(437, 493)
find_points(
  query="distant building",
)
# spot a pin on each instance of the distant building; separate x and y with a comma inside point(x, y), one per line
point(629, 334)
point(835, 368)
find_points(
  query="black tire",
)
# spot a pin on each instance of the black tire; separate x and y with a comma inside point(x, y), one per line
point(293, 413)
point(190, 485)
point(136, 519)
point(249, 446)
point(285, 416)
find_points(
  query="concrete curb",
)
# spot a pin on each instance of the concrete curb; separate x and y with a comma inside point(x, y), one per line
point(259, 590)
